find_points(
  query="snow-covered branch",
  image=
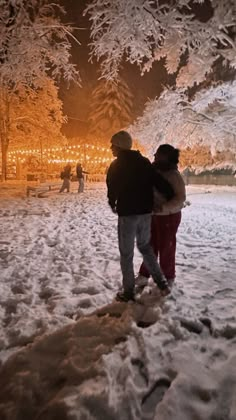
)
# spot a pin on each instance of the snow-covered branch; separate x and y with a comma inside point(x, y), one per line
point(209, 119)
point(143, 31)
point(34, 43)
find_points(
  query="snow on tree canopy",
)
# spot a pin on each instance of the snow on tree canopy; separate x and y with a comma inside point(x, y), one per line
point(224, 95)
point(36, 117)
point(34, 45)
point(143, 31)
point(33, 42)
point(209, 120)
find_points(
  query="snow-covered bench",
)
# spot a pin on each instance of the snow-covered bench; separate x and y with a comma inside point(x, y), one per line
point(41, 189)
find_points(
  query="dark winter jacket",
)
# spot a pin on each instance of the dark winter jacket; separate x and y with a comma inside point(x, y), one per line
point(66, 174)
point(130, 181)
point(79, 172)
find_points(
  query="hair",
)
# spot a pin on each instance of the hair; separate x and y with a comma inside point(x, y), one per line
point(170, 151)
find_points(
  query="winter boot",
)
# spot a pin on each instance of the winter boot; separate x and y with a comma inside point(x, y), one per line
point(125, 296)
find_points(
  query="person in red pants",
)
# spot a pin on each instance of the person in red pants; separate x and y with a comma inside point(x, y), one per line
point(166, 216)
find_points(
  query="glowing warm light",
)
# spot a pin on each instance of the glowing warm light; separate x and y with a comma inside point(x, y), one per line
point(57, 149)
point(94, 158)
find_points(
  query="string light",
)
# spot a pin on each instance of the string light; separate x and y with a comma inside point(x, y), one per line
point(95, 158)
point(57, 149)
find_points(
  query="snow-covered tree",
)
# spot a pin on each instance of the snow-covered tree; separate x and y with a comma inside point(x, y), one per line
point(143, 31)
point(34, 44)
point(209, 120)
point(111, 107)
point(36, 117)
point(213, 111)
point(159, 120)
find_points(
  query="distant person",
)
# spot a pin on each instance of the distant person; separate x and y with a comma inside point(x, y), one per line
point(130, 182)
point(66, 175)
point(166, 214)
point(186, 173)
point(80, 175)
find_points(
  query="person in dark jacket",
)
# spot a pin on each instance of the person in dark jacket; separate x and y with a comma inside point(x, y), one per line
point(66, 175)
point(130, 181)
point(80, 175)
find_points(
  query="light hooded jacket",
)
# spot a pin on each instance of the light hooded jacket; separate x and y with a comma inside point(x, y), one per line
point(163, 207)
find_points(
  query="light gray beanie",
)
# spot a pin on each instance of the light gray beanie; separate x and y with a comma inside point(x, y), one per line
point(122, 139)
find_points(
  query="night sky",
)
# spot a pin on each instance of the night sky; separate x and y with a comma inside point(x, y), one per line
point(76, 100)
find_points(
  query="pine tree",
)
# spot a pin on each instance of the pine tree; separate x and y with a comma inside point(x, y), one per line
point(111, 108)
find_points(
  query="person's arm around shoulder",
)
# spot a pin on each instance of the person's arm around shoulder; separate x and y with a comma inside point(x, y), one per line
point(162, 185)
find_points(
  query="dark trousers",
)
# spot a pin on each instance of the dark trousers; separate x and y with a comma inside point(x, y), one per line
point(163, 241)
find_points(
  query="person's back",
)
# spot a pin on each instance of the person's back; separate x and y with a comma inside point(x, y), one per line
point(129, 180)
point(65, 175)
point(67, 172)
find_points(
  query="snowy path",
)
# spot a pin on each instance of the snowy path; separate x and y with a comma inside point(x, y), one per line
point(59, 260)
point(57, 255)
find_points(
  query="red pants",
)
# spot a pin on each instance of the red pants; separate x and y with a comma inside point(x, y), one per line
point(163, 241)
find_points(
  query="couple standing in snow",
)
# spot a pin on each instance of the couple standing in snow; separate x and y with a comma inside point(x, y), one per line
point(148, 199)
point(66, 176)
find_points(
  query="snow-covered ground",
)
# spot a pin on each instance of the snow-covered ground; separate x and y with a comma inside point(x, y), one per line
point(68, 352)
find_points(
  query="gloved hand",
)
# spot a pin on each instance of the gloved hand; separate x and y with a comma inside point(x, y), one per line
point(187, 203)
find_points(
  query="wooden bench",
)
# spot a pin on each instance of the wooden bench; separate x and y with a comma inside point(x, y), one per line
point(41, 189)
point(96, 178)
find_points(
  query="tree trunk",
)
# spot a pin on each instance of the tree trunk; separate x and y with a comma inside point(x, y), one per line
point(4, 159)
point(4, 134)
